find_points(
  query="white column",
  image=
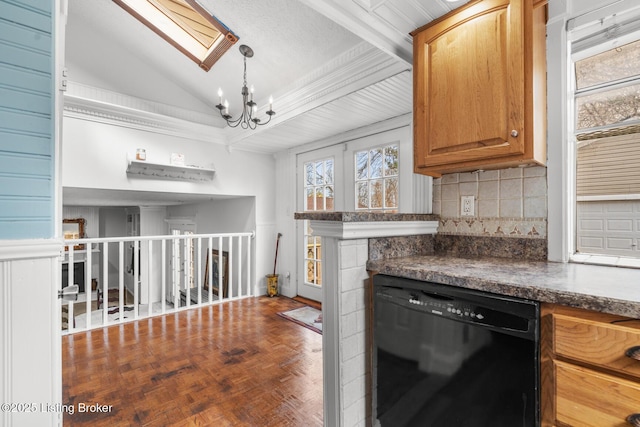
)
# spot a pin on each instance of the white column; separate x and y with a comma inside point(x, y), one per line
point(345, 329)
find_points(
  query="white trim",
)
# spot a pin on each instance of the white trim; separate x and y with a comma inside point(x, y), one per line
point(558, 230)
point(612, 261)
point(606, 198)
point(114, 114)
point(11, 250)
point(331, 333)
point(364, 230)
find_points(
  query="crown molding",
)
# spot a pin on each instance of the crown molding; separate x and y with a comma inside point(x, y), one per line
point(97, 110)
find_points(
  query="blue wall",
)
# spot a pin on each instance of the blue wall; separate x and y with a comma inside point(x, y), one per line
point(26, 119)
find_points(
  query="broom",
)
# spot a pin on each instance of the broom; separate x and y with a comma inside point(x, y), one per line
point(275, 261)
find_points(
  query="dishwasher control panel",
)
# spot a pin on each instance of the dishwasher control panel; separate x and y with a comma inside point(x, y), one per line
point(451, 308)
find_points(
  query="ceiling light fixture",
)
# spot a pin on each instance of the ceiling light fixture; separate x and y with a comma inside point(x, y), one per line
point(247, 119)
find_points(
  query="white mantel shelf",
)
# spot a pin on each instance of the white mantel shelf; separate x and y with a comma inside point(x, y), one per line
point(365, 230)
point(157, 170)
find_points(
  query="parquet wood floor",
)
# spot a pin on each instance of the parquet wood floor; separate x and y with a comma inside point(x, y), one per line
point(232, 364)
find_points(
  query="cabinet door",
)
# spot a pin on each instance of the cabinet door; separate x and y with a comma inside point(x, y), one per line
point(469, 89)
point(588, 398)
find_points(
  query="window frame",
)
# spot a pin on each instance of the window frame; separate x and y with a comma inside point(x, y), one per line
point(561, 27)
point(382, 178)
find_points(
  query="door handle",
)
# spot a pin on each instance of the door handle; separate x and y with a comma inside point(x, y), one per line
point(634, 420)
point(633, 353)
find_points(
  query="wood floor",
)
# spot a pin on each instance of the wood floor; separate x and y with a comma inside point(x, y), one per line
point(232, 364)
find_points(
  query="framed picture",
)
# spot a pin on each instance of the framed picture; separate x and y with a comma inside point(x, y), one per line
point(215, 286)
point(73, 229)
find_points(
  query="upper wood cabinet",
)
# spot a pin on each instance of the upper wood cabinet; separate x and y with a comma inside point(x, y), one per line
point(480, 88)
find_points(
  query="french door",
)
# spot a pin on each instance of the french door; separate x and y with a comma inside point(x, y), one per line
point(319, 176)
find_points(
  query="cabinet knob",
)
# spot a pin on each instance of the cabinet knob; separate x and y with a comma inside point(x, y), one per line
point(633, 353)
point(634, 420)
point(514, 133)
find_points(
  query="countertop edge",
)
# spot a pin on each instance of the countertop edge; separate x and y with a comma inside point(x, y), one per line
point(544, 294)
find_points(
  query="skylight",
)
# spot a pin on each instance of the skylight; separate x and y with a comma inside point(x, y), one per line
point(186, 25)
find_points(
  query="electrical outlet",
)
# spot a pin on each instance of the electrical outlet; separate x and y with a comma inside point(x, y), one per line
point(467, 206)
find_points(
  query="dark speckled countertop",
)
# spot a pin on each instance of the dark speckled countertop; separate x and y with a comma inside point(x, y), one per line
point(363, 216)
point(607, 289)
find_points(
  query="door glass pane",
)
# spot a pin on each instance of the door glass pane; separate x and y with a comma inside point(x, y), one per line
point(319, 193)
point(362, 191)
point(377, 194)
point(391, 161)
point(308, 170)
point(329, 171)
point(319, 173)
point(310, 200)
point(328, 197)
point(375, 163)
point(391, 193)
point(362, 165)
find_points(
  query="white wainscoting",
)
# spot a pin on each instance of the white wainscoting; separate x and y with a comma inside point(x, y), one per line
point(30, 347)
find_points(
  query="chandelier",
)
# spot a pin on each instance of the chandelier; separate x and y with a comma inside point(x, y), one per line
point(247, 119)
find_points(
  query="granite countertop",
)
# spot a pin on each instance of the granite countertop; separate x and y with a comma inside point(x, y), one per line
point(364, 216)
point(613, 290)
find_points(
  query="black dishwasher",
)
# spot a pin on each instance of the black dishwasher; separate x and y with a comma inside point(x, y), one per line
point(449, 356)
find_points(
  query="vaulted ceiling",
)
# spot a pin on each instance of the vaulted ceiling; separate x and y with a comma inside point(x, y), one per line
point(331, 66)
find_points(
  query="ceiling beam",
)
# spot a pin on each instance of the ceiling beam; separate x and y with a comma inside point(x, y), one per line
point(354, 18)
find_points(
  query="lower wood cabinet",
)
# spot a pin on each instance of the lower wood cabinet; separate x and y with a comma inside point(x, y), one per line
point(590, 368)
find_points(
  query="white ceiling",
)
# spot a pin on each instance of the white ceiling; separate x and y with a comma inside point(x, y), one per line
point(331, 65)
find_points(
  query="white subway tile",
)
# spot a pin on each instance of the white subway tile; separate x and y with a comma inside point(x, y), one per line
point(348, 256)
point(350, 347)
point(536, 186)
point(468, 177)
point(348, 303)
point(489, 175)
point(348, 325)
point(511, 173)
point(535, 207)
point(451, 178)
point(488, 190)
point(488, 208)
point(449, 209)
point(511, 208)
point(510, 188)
point(535, 171)
point(450, 192)
point(436, 208)
point(468, 189)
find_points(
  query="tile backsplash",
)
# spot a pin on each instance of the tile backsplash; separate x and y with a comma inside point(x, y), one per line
point(508, 202)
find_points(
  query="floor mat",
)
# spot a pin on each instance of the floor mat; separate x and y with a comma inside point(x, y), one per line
point(308, 317)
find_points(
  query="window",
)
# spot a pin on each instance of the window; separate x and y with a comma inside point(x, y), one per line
point(605, 131)
point(186, 25)
point(319, 196)
point(376, 179)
